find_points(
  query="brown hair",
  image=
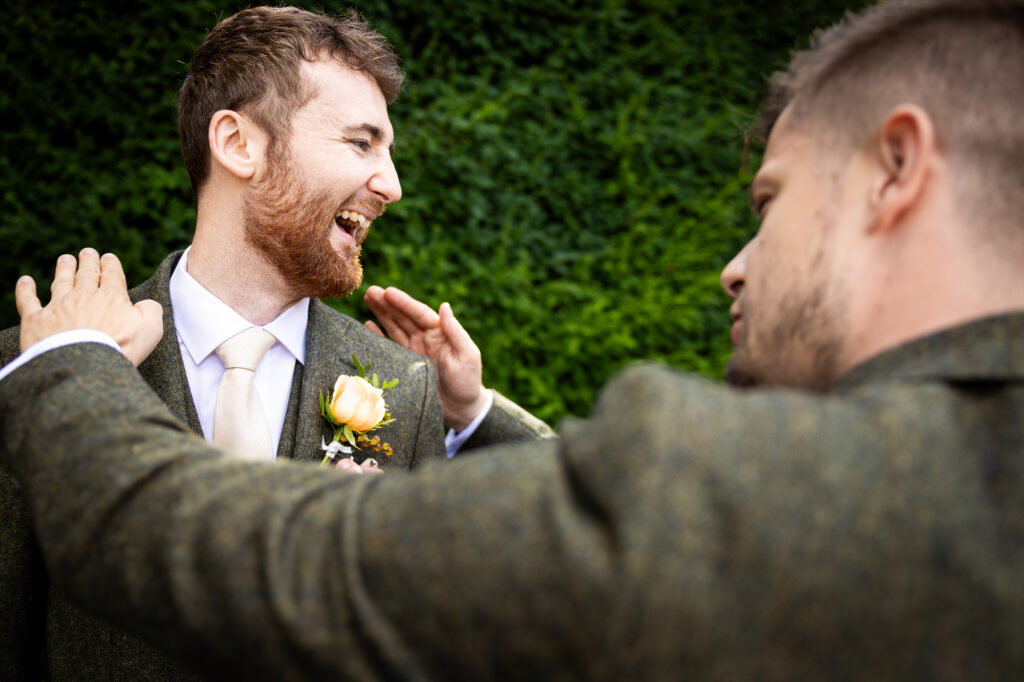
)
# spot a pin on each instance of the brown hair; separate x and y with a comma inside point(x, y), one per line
point(250, 62)
point(961, 61)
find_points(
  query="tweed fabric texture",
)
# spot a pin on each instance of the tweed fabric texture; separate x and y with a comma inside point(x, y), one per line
point(506, 423)
point(686, 531)
point(41, 632)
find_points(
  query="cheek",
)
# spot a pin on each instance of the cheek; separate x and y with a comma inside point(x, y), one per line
point(338, 169)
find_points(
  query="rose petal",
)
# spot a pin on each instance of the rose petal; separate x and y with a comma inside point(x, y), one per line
point(345, 403)
point(357, 403)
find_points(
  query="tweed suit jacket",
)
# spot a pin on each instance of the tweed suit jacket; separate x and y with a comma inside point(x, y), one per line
point(78, 646)
point(686, 531)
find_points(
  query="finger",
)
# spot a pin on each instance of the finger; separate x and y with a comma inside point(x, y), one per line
point(462, 343)
point(372, 326)
point(395, 332)
point(63, 276)
point(405, 306)
point(347, 466)
point(370, 466)
point(88, 276)
point(25, 297)
point(410, 327)
point(112, 274)
point(374, 293)
point(150, 332)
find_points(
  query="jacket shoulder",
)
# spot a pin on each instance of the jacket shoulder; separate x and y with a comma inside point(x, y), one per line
point(10, 344)
point(157, 287)
point(367, 346)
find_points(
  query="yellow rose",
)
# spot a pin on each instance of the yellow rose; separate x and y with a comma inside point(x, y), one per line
point(357, 403)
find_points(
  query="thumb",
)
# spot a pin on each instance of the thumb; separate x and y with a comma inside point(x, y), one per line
point(455, 333)
point(151, 329)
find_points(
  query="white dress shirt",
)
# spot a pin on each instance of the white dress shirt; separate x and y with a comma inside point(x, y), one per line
point(202, 322)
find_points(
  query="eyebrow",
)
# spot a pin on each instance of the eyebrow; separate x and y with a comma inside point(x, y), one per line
point(375, 133)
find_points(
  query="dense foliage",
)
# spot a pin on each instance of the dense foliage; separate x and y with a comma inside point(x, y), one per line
point(572, 170)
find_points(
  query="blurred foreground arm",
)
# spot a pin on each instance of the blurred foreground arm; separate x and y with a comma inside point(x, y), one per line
point(686, 536)
point(147, 526)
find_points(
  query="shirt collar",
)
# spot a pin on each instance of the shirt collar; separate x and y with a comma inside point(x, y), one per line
point(203, 321)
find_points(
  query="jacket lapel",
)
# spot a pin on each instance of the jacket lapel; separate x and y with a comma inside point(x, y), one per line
point(326, 357)
point(286, 446)
point(163, 369)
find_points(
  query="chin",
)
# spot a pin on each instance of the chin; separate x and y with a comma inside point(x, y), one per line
point(738, 376)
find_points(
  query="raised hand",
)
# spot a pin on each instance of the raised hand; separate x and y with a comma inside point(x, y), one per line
point(441, 338)
point(90, 294)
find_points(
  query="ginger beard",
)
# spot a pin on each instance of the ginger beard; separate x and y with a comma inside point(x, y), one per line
point(290, 227)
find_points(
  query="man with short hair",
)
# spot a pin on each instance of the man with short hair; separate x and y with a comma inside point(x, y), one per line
point(862, 519)
point(287, 142)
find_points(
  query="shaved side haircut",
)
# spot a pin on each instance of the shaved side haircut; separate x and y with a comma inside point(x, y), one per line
point(961, 61)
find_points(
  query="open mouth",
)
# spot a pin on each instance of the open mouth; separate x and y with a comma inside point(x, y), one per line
point(354, 223)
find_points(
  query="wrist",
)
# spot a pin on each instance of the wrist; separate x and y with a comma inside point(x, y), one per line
point(459, 418)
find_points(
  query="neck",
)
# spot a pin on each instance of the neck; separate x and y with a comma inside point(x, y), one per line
point(222, 262)
point(944, 281)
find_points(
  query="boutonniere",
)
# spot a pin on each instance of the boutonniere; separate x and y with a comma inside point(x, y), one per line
point(355, 408)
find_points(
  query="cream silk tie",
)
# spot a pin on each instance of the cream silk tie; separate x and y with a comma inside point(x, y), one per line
point(239, 421)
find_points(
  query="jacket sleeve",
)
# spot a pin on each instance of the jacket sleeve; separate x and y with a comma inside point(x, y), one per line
point(147, 526)
point(22, 577)
point(685, 531)
point(506, 422)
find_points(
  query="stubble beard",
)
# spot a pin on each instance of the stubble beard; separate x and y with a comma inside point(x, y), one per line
point(291, 228)
point(802, 344)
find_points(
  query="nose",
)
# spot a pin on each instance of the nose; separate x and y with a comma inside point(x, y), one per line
point(384, 182)
point(734, 274)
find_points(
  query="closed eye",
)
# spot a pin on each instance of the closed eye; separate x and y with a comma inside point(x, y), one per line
point(760, 205)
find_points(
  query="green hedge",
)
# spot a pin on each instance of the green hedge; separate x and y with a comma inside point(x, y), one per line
point(572, 171)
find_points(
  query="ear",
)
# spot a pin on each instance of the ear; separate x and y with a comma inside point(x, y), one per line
point(904, 152)
point(236, 143)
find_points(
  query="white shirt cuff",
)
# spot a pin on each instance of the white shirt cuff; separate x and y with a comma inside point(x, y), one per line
point(453, 441)
point(56, 341)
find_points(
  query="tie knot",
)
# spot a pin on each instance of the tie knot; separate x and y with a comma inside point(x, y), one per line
point(245, 349)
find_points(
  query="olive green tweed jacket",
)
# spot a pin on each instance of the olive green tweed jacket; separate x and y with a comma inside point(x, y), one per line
point(41, 631)
point(686, 531)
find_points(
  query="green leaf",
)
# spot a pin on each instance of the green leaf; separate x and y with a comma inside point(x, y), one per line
point(360, 369)
point(325, 404)
point(389, 384)
point(375, 381)
point(349, 436)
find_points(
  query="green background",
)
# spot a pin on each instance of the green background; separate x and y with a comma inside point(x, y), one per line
point(573, 172)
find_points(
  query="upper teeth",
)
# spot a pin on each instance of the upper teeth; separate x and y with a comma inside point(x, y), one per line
point(355, 217)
